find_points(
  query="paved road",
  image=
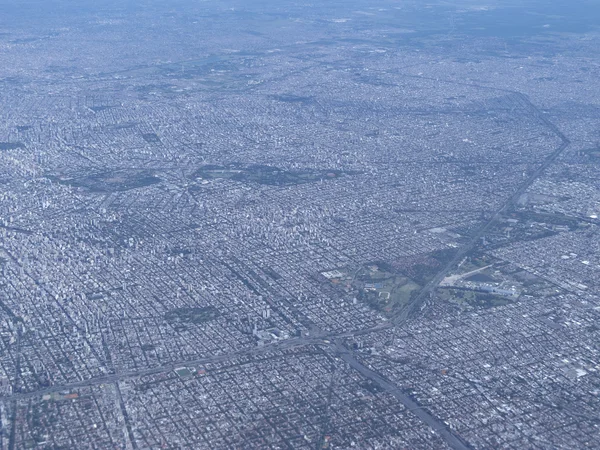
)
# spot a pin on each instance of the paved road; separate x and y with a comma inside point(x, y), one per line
point(439, 427)
point(116, 377)
point(315, 339)
point(418, 301)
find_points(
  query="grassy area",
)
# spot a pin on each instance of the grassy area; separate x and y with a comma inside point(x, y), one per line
point(475, 262)
point(383, 290)
point(192, 315)
point(268, 175)
point(474, 298)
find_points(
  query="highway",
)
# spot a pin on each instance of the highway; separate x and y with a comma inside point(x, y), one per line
point(436, 425)
point(121, 376)
point(418, 301)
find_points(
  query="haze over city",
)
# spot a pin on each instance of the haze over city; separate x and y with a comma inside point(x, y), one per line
point(361, 224)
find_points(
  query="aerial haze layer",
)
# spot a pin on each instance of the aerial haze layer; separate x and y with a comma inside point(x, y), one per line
point(361, 224)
